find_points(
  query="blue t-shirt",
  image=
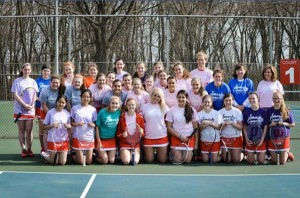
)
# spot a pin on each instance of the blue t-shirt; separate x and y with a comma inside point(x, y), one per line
point(107, 123)
point(217, 94)
point(240, 89)
point(73, 95)
point(49, 96)
point(109, 94)
point(42, 83)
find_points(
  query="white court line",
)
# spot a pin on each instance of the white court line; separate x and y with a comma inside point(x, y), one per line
point(163, 175)
point(1, 172)
point(88, 186)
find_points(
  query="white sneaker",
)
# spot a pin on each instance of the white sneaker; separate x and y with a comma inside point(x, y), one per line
point(44, 154)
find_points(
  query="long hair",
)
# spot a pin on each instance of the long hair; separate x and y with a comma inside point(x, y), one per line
point(273, 71)
point(201, 89)
point(284, 110)
point(24, 65)
point(188, 111)
point(237, 67)
point(162, 102)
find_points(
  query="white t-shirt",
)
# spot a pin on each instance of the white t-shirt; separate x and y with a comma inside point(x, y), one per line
point(85, 114)
point(155, 126)
point(59, 134)
point(209, 134)
point(176, 116)
point(206, 76)
point(234, 115)
point(265, 90)
point(98, 94)
point(18, 86)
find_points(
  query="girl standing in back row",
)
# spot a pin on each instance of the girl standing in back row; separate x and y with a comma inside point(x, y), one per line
point(25, 122)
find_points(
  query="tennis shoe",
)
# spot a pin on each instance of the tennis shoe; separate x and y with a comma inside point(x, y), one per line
point(24, 153)
point(291, 156)
point(30, 153)
point(44, 154)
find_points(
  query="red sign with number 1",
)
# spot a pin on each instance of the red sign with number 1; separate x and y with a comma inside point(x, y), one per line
point(289, 71)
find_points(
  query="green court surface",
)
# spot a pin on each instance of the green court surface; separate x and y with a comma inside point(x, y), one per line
point(144, 180)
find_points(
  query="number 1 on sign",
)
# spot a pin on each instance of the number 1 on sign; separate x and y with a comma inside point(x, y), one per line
point(291, 72)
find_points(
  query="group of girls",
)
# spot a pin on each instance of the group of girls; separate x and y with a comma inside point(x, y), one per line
point(167, 108)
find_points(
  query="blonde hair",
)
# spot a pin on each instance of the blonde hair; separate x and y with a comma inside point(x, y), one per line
point(202, 53)
point(108, 108)
point(162, 102)
point(284, 110)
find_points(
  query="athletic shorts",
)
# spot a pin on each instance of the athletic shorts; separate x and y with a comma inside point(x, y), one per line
point(175, 143)
point(259, 149)
point(285, 146)
point(84, 145)
point(159, 142)
point(232, 143)
point(213, 147)
point(108, 144)
point(58, 146)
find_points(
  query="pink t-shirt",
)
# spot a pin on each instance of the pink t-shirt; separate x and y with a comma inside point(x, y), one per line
point(208, 134)
point(196, 99)
point(141, 99)
point(159, 85)
point(85, 114)
point(18, 86)
point(59, 134)
point(170, 98)
point(184, 84)
point(176, 116)
point(206, 76)
point(154, 117)
point(265, 90)
point(98, 94)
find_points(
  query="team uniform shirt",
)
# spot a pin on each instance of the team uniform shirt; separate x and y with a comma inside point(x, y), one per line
point(155, 126)
point(196, 99)
point(73, 95)
point(275, 116)
point(206, 76)
point(61, 117)
point(258, 117)
point(184, 84)
point(42, 83)
point(176, 116)
point(240, 90)
point(233, 115)
point(121, 75)
point(107, 123)
point(18, 86)
point(98, 94)
point(49, 96)
point(217, 94)
point(265, 90)
point(141, 99)
point(170, 98)
point(85, 114)
point(212, 116)
point(109, 94)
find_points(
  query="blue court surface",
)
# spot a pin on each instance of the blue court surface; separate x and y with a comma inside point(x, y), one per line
point(28, 184)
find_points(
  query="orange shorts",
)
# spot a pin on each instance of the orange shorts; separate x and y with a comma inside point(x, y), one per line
point(108, 144)
point(37, 112)
point(259, 149)
point(160, 142)
point(232, 143)
point(24, 117)
point(284, 147)
point(207, 147)
point(176, 142)
point(42, 115)
point(84, 145)
point(58, 146)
